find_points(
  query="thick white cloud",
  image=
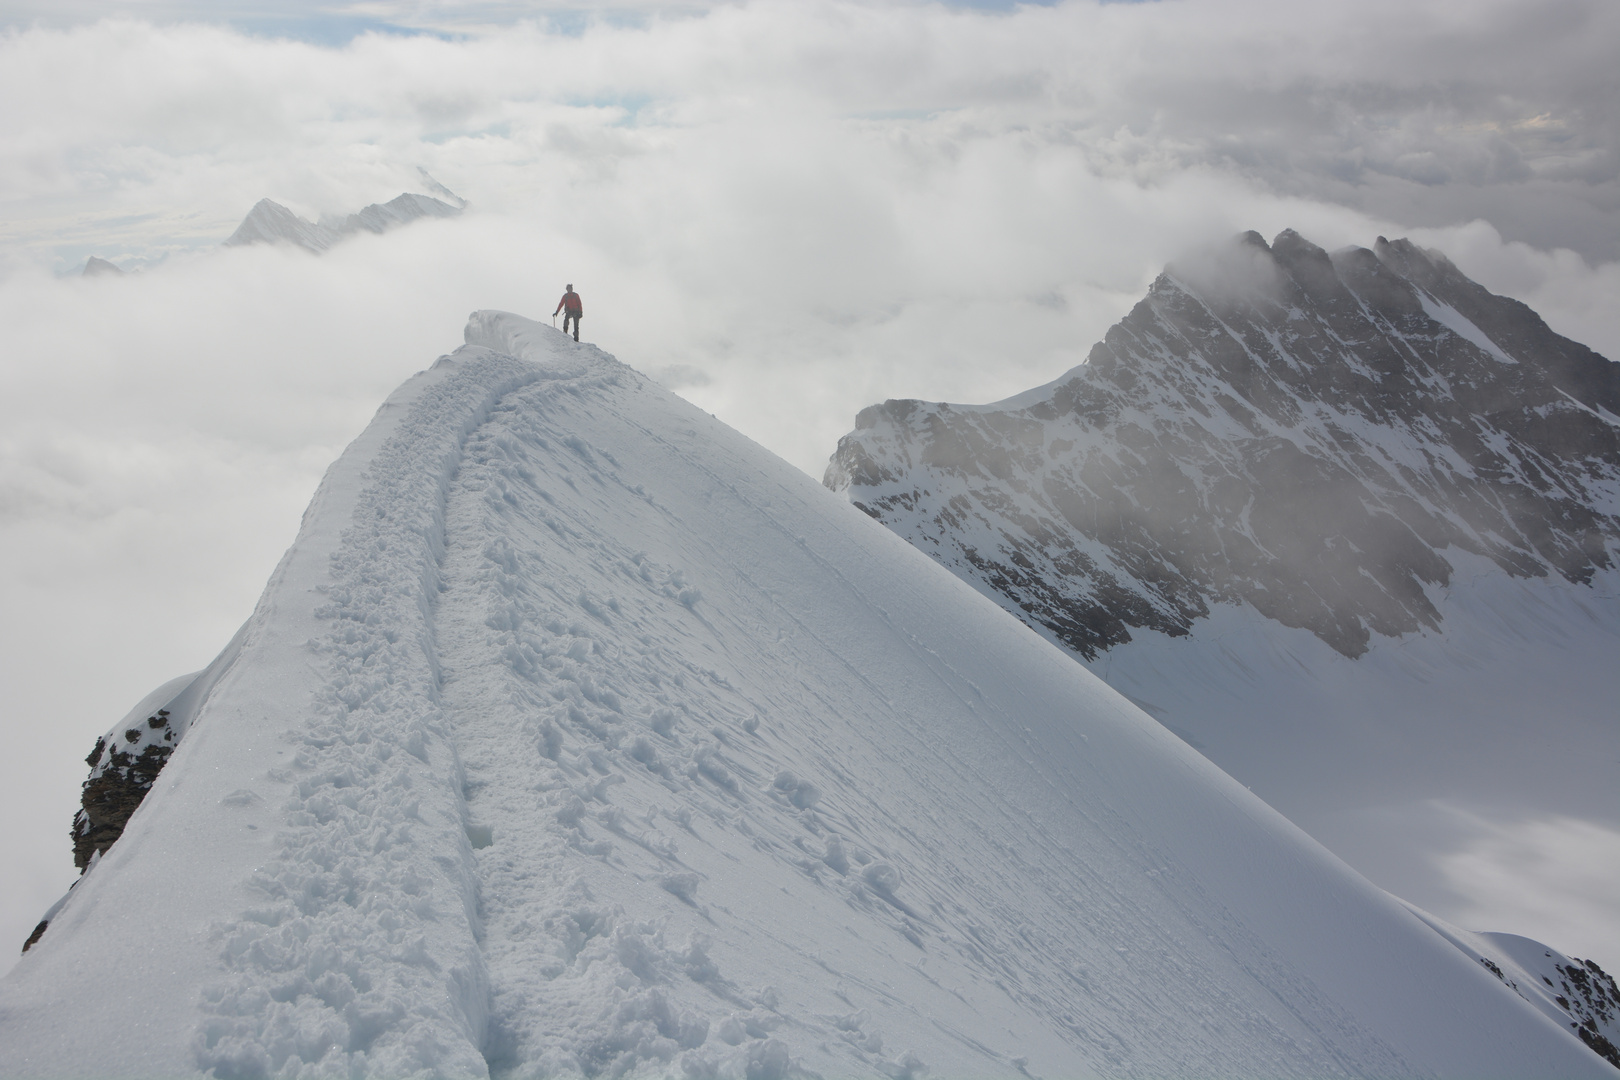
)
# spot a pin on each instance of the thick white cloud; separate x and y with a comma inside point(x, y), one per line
point(1554, 879)
point(791, 210)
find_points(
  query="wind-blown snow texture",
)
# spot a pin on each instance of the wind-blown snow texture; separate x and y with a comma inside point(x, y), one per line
point(1277, 426)
point(577, 734)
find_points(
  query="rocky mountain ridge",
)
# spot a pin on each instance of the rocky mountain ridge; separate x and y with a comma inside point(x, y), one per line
point(1273, 424)
point(269, 222)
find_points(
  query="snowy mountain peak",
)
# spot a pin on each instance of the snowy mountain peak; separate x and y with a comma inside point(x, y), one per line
point(96, 266)
point(577, 735)
point(1302, 431)
point(270, 222)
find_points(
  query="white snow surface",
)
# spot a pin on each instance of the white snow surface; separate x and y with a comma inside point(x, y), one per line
point(1396, 758)
point(1558, 985)
point(1461, 325)
point(179, 698)
point(577, 734)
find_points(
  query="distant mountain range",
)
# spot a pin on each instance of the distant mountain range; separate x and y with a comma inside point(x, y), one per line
point(269, 222)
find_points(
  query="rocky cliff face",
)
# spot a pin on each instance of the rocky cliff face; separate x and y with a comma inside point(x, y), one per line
point(1304, 431)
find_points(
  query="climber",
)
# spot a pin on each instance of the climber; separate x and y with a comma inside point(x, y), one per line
point(572, 308)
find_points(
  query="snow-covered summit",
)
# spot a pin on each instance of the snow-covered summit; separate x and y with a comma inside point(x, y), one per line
point(1301, 432)
point(269, 222)
point(95, 266)
point(578, 735)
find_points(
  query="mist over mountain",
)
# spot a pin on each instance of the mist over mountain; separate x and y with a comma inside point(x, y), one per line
point(95, 266)
point(1345, 522)
point(577, 735)
point(269, 222)
point(1302, 432)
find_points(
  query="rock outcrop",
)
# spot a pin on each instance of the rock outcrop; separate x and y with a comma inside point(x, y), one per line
point(122, 770)
point(125, 764)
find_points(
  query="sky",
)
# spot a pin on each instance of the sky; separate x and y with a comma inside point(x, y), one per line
point(783, 210)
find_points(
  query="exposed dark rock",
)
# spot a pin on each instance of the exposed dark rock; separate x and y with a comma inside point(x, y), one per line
point(1593, 1002)
point(1599, 1043)
point(1589, 1004)
point(39, 932)
point(1302, 431)
point(120, 777)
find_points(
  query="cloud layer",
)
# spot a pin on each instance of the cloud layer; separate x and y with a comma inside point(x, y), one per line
point(1552, 878)
point(786, 210)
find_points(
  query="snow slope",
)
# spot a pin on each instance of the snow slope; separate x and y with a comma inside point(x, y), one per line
point(1348, 522)
point(1423, 747)
point(578, 734)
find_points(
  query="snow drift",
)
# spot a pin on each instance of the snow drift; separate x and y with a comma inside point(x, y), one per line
point(576, 734)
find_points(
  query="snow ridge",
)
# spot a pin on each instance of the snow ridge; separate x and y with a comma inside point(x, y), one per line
point(353, 934)
point(577, 736)
point(649, 762)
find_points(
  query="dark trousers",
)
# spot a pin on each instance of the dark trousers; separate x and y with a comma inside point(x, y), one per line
point(570, 315)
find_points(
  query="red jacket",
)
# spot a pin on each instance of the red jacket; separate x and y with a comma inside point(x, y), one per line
point(572, 303)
